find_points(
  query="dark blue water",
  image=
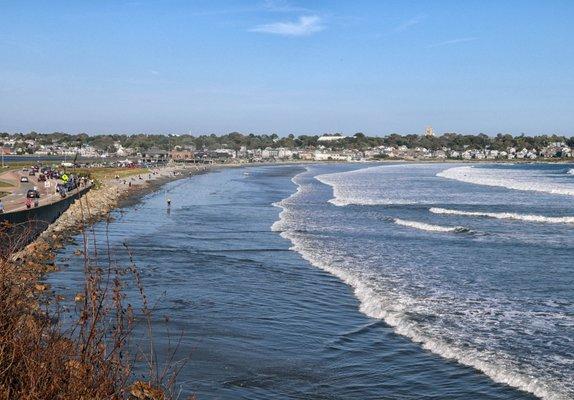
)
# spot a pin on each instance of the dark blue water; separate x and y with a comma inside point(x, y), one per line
point(263, 318)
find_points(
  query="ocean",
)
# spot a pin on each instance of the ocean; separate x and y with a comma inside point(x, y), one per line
point(354, 281)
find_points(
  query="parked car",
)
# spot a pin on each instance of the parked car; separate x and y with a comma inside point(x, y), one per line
point(32, 173)
point(33, 194)
point(23, 179)
point(41, 178)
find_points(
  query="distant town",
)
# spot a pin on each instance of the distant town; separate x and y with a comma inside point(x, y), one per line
point(238, 147)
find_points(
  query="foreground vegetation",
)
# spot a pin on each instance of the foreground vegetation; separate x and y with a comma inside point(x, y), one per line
point(92, 357)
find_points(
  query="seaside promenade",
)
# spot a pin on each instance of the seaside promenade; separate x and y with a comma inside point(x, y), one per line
point(16, 199)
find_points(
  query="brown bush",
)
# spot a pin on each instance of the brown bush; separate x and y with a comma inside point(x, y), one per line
point(41, 359)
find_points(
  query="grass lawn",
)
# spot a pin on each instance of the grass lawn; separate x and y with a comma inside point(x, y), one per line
point(100, 174)
point(97, 174)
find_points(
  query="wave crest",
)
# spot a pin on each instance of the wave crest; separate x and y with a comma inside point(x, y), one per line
point(430, 227)
point(509, 179)
point(511, 216)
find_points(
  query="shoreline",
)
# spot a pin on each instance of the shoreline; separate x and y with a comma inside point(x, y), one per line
point(111, 195)
point(94, 206)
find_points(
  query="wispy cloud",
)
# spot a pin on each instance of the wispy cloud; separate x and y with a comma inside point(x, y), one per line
point(452, 41)
point(410, 23)
point(304, 26)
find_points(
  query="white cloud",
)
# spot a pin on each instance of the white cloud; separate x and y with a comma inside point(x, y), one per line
point(304, 26)
point(452, 41)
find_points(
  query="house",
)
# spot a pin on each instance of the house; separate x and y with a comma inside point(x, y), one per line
point(223, 153)
point(6, 151)
point(182, 155)
point(329, 156)
point(330, 138)
point(154, 156)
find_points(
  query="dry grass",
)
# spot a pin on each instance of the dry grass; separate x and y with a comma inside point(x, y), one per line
point(40, 358)
point(38, 361)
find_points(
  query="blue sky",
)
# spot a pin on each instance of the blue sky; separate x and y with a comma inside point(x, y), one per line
point(175, 66)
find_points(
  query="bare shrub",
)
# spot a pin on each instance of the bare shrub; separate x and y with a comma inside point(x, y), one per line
point(93, 358)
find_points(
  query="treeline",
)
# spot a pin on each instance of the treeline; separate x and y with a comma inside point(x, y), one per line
point(236, 140)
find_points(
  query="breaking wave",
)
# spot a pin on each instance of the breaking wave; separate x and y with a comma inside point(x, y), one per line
point(430, 227)
point(356, 187)
point(375, 304)
point(570, 171)
point(512, 216)
point(279, 225)
point(369, 202)
point(508, 178)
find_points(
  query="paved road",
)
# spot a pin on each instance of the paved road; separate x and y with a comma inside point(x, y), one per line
point(17, 199)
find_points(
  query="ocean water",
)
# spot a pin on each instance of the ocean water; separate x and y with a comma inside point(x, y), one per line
point(342, 281)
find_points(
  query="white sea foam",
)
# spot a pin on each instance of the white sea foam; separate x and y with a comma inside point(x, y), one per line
point(513, 216)
point(279, 225)
point(526, 180)
point(344, 197)
point(375, 304)
point(374, 185)
point(429, 227)
point(570, 171)
point(369, 202)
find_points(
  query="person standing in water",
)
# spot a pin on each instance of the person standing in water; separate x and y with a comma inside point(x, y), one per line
point(168, 203)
